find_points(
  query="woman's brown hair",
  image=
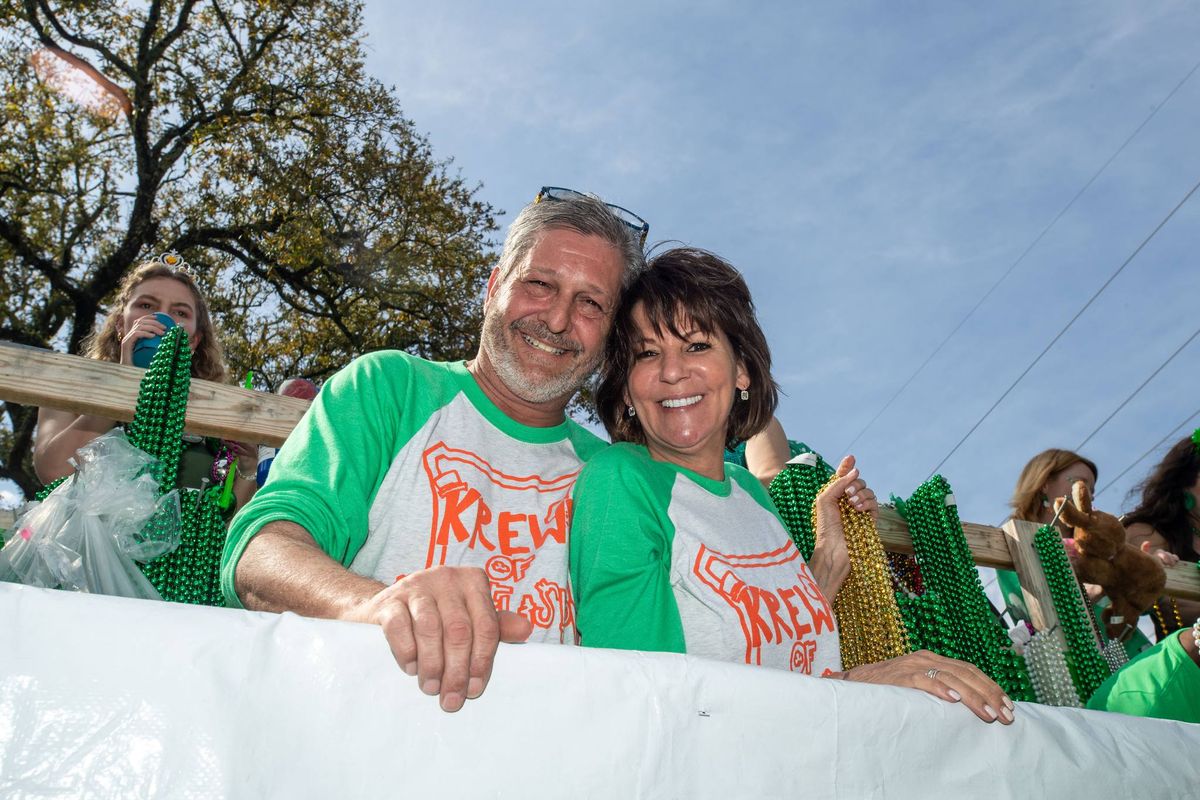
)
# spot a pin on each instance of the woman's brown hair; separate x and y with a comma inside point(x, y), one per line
point(694, 286)
point(1027, 498)
point(208, 361)
point(1164, 503)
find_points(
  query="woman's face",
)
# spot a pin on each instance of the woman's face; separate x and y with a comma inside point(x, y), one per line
point(683, 391)
point(163, 294)
point(1060, 484)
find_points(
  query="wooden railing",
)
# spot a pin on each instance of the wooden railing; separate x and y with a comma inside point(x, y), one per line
point(41, 378)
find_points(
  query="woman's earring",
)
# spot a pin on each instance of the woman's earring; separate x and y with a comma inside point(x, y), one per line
point(745, 395)
point(1045, 501)
point(631, 412)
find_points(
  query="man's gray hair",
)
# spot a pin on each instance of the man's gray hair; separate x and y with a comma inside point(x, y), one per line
point(586, 215)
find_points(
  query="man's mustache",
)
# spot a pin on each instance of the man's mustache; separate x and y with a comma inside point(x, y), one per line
point(539, 330)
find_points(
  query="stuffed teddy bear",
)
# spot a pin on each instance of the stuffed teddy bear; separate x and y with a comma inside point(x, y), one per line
point(1131, 579)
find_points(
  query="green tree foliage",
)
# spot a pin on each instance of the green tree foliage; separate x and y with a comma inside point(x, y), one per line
point(318, 220)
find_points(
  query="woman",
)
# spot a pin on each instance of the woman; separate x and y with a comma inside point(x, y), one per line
point(671, 548)
point(1048, 475)
point(153, 287)
point(1166, 524)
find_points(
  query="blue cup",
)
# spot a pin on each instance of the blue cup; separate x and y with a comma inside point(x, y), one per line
point(144, 350)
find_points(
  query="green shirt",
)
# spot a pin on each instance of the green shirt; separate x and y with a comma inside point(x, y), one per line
point(402, 464)
point(665, 559)
point(1162, 682)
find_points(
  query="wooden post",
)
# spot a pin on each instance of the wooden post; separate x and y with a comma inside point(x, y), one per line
point(1019, 535)
point(1183, 581)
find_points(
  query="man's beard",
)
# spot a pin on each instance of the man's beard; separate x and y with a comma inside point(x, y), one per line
point(537, 388)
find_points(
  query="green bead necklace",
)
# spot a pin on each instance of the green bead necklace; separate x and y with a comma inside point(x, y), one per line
point(795, 491)
point(1086, 663)
point(191, 572)
point(948, 571)
point(927, 622)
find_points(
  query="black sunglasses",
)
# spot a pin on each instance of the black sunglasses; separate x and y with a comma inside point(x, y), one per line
point(624, 214)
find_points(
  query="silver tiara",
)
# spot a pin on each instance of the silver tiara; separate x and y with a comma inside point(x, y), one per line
point(176, 262)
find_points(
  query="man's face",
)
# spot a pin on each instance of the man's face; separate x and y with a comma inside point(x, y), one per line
point(546, 321)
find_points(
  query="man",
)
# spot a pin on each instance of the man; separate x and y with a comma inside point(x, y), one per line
point(423, 496)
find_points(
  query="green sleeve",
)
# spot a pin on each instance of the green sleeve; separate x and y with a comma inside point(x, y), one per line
point(1162, 682)
point(325, 476)
point(621, 554)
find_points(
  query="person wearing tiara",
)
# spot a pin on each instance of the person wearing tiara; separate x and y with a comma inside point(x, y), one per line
point(161, 286)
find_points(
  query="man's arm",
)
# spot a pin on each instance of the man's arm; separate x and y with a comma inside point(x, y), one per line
point(283, 569)
point(440, 623)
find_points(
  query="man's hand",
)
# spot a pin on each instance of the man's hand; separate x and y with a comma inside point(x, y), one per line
point(440, 623)
point(952, 680)
point(443, 627)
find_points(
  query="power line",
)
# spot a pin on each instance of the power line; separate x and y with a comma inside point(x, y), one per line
point(1066, 327)
point(1140, 458)
point(1021, 258)
point(1124, 402)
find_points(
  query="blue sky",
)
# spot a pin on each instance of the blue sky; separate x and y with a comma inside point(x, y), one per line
point(873, 169)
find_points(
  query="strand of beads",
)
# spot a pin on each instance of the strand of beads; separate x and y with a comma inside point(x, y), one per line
point(869, 623)
point(157, 426)
point(190, 573)
point(1114, 653)
point(948, 569)
point(1088, 667)
point(906, 575)
point(927, 623)
point(794, 491)
point(1048, 672)
point(1164, 625)
point(50, 487)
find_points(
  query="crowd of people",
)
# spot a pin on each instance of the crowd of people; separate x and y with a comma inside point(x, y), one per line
point(456, 505)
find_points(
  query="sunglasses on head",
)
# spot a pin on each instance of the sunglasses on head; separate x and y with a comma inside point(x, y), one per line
point(624, 214)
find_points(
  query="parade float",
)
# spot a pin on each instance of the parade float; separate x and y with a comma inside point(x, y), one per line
point(116, 697)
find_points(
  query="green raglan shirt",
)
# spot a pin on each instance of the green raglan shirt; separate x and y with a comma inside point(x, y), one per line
point(665, 559)
point(402, 464)
point(1162, 682)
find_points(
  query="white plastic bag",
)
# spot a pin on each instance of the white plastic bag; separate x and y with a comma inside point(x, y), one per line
point(87, 534)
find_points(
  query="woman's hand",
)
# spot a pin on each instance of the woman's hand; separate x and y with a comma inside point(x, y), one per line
point(247, 466)
point(146, 327)
point(952, 680)
point(246, 454)
point(830, 560)
point(861, 497)
point(1165, 557)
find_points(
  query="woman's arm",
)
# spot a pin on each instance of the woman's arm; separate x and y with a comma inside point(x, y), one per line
point(1142, 536)
point(59, 435)
point(767, 451)
point(245, 481)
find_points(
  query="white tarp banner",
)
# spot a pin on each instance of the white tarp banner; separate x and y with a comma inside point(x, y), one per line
point(111, 698)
